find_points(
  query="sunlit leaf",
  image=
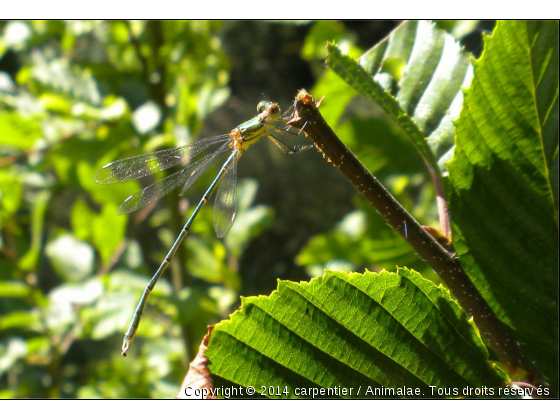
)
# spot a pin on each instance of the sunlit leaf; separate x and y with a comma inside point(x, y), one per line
point(67, 299)
point(458, 28)
point(10, 352)
point(60, 76)
point(16, 34)
point(316, 39)
point(18, 131)
point(211, 98)
point(113, 194)
point(66, 95)
point(39, 207)
point(113, 311)
point(6, 82)
point(14, 288)
point(108, 231)
point(28, 320)
point(354, 331)
point(209, 263)
point(10, 194)
point(416, 75)
point(502, 197)
point(337, 96)
point(146, 117)
point(71, 258)
point(55, 103)
point(250, 221)
point(81, 218)
point(113, 109)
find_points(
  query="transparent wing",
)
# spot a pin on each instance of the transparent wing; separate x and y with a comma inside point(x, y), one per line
point(188, 175)
point(142, 165)
point(225, 206)
point(201, 167)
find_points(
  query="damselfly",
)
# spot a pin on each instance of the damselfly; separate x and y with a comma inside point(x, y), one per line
point(225, 207)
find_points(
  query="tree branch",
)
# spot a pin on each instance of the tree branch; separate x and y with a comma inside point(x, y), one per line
point(444, 262)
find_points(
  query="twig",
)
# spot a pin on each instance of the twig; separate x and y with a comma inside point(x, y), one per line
point(444, 262)
point(443, 210)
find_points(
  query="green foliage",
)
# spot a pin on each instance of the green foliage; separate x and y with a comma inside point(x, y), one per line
point(458, 28)
point(393, 74)
point(418, 73)
point(352, 331)
point(503, 191)
point(76, 95)
point(85, 93)
point(385, 149)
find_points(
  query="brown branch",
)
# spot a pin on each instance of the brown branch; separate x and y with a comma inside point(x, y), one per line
point(444, 262)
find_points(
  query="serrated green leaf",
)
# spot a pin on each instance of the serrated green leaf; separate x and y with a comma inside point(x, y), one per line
point(380, 330)
point(505, 225)
point(416, 75)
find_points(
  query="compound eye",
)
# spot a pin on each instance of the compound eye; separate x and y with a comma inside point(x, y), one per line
point(261, 106)
point(273, 110)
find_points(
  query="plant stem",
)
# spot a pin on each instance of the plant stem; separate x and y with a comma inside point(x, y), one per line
point(445, 263)
point(443, 210)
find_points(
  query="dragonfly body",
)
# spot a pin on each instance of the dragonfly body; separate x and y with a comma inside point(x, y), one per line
point(236, 143)
point(250, 131)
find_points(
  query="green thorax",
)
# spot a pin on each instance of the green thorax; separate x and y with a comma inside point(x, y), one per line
point(252, 130)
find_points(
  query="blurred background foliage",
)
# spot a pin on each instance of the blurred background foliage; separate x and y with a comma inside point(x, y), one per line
point(75, 95)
